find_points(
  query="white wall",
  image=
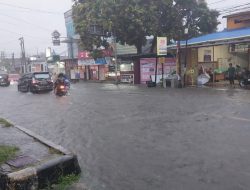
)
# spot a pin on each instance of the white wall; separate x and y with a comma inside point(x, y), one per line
point(223, 56)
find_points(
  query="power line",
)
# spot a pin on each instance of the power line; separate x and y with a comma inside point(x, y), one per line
point(29, 9)
point(9, 31)
point(22, 20)
point(234, 7)
point(216, 2)
point(236, 10)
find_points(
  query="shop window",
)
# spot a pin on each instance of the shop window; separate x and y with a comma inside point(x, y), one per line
point(207, 56)
point(126, 67)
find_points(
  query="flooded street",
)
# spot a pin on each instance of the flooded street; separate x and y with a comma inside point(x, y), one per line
point(136, 138)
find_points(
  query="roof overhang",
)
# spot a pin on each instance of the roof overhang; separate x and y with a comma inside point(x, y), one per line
point(212, 43)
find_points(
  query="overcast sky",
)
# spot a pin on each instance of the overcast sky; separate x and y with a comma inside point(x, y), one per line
point(36, 20)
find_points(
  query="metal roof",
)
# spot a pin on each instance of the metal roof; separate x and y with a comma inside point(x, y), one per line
point(223, 37)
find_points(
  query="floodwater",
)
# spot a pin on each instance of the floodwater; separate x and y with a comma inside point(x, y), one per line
point(137, 138)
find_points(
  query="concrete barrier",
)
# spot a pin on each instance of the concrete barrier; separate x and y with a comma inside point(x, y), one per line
point(45, 173)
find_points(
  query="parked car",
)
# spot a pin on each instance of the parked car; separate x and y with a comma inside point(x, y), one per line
point(35, 82)
point(13, 78)
point(4, 80)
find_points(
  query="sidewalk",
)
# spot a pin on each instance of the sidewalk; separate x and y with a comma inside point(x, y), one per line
point(38, 162)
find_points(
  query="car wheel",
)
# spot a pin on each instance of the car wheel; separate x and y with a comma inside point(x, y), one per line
point(28, 89)
point(242, 84)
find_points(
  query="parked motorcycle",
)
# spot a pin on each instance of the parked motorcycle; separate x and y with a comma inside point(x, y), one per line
point(244, 80)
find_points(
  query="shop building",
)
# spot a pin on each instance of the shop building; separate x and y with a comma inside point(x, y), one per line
point(213, 52)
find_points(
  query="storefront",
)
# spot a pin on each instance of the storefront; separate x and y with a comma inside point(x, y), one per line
point(71, 69)
point(148, 66)
point(93, 69)
point(127, 72)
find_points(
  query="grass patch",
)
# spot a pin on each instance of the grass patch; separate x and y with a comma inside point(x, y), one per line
point(65, 181)
point(5, 123)
point(7, 152)
point(54, 151)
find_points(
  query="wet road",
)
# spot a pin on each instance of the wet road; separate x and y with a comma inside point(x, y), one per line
point(134, 138)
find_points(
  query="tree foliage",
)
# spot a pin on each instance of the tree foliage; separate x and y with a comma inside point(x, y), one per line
point(132, 20)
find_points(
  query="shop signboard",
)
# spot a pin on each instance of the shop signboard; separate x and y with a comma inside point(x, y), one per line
point(82, 62)
point(161, 45)
point(84, 55)
point(107, 53)
point(147, 69)
point(108, 60)
point(100, 61)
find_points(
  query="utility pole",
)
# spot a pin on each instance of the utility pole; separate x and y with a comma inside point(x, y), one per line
point(23, 59)
point(13, 62)
point(116, 65)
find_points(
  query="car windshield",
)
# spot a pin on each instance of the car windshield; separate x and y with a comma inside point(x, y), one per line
point(42, 76)
point(3, 76)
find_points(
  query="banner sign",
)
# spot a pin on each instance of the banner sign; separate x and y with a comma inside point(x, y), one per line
point(86, 62)
point(161, 45)
point(84, 55)
point(100, 61)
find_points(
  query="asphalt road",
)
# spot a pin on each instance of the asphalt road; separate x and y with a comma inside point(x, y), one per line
point(136, 138)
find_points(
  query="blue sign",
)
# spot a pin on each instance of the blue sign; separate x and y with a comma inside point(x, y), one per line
point(100, 61)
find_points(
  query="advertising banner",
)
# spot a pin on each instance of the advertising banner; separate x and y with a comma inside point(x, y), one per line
point(84, 55)
point(147, 67)
point(82, 62)
point(161, 45)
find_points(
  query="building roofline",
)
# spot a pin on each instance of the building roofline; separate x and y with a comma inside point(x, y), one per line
point(236, 14)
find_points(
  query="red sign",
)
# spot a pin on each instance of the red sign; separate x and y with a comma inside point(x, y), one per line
point(107, 53)
point(84, 55)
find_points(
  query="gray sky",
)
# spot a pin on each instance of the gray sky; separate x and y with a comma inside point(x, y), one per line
point(226, 6)
point(36, 20)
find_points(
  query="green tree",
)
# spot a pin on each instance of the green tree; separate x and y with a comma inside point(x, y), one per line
point(132, 20)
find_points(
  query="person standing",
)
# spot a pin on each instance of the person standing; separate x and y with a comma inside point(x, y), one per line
point(231, 74)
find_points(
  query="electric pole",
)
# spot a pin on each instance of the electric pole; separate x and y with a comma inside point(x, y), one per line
point(23, 59)
point(13, 63)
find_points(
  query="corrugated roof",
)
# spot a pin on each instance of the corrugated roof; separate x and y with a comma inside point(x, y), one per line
point(220, 36)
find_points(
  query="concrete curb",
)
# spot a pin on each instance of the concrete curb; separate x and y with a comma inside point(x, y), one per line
point(44, 174)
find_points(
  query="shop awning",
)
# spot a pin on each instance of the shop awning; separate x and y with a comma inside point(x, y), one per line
point(218, 38)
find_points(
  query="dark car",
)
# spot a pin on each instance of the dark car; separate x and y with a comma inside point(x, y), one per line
point(35, 82)
point(4, 80)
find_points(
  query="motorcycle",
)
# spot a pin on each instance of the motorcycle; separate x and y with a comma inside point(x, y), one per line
point(244, 81)
point(61, 90)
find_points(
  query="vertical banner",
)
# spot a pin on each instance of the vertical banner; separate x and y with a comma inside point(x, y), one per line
point(161, 46)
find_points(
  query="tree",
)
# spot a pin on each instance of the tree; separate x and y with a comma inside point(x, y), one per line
point(131, 21)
